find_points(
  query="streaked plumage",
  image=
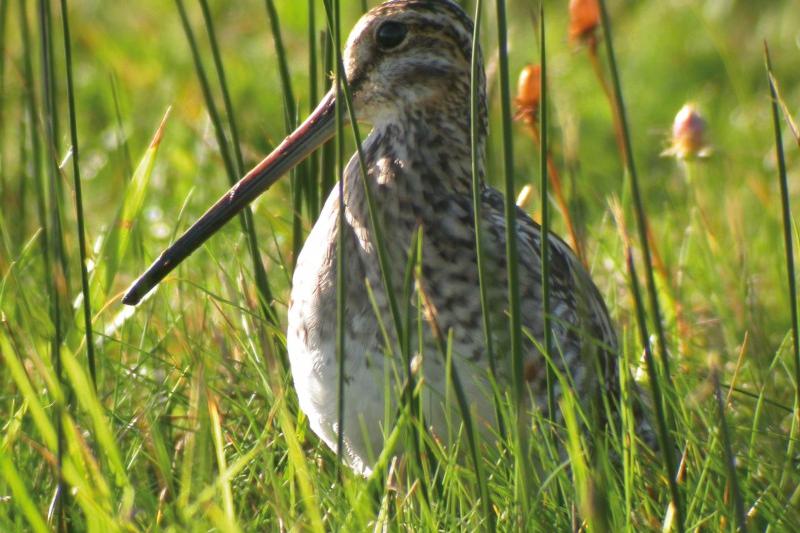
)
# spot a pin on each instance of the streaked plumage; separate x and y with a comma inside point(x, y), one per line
point(408, 67)
point(416, 98)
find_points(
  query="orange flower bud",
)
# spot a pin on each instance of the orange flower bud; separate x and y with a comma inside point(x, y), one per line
point(584, 18)
point(528, 93)
point(688, 135)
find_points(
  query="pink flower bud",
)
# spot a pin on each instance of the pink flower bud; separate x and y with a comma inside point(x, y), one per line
point(688, 135)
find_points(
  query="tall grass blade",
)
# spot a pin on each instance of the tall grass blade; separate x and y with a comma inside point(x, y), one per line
point(515, 323)
point(445, 346)
point(259, 271)
point(49, 80)
point(730, 461)
point(638, 204)
point(222, 465)
point(102, 430)
point(332, 9)
point(32, 114)
point(510, 213)
point(118, 241)
point(478, 158)
point(313, 191)
point(343, 93)
point(592, 512)
point(223, 85)
point(664, 439)
point(246, 218)
point(786, 213)
point(642, 229)
point(544, 242)
point(60, 286)
point(289, 101)
point(26, 391)
point(76, 179)
point(301, 471)
point(299, 181)
point(22, 497)
point(327, 170)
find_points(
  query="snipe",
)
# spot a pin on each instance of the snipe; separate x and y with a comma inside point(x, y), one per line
point(407, 63)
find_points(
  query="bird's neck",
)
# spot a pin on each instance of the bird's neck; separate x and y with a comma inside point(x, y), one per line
point(415, 163)
point(420, 153)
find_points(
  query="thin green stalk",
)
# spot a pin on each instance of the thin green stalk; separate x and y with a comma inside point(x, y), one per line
point(49, 97)
point(259, 271)
point(478, 158)
point(327, 170)
point(59, 287)
point(41, 204)
point(410, 395)
point(283, 65)
point(730, 462)
point(515, 323)
point(24, 156)
point(786, 212)
point(544, 242)
point(298, 179)
point(445, 350)
point(638, 204)
point(515, 330)
point(51, 134)
point(664, 438)
point(32, 112)
point(246, 218)
point(334, 24)
point(223, 85)
point(76, 179)
point(314, 206)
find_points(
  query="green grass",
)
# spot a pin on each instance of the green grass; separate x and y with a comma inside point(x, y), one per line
point(193, 423)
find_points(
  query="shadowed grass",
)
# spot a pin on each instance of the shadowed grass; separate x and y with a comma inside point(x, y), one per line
point(544, 243)
point(786, 214)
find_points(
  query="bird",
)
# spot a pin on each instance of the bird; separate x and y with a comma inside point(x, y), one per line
point(408, 66)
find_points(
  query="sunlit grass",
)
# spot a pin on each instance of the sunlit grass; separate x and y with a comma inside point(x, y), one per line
point(194, 422)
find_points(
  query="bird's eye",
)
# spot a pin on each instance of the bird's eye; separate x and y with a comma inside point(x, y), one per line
point(390, 34)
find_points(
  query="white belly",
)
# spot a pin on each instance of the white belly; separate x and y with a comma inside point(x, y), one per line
point(311, 340)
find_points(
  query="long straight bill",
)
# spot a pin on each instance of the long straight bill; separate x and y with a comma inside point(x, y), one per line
point(317, 128)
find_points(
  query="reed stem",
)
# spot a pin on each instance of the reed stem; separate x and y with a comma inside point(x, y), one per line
point(79, 215)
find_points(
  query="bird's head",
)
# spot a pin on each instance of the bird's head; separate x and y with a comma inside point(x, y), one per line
point(410, 55)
